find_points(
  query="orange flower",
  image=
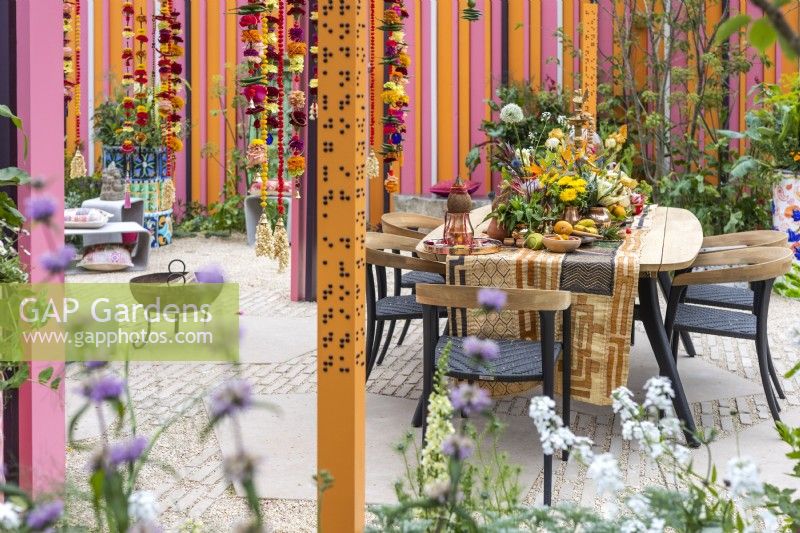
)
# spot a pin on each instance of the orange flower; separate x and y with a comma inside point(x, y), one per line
point(391, 184)
point(403, 59)
point(296, 49)
point(174, 144)
point(296, 165)
point(251, 36)
point(390, 17)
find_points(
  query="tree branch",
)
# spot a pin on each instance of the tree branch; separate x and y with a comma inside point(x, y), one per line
point(778, 21)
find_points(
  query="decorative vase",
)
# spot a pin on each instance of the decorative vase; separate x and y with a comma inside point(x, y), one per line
point(571, 214)
point(601, 216)
point(496, 231)
point(786, 209)
point(458, 229)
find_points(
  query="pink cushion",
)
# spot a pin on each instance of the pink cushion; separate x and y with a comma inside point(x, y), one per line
point(443, 187)
point(106, 258)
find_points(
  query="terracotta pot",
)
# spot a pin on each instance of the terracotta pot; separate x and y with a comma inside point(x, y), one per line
point(496, 231)
point(601, 216)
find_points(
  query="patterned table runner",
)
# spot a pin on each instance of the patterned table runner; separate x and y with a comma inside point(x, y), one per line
point(603, 279)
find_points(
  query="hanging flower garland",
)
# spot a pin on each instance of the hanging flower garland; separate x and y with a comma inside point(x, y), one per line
point(313, 51)
point(69, 64)
point(373, 167)
point(255, 21)
point(394, 91)
point(77, 167)
point(169, 102)
point(281, 242)
point(296, 51)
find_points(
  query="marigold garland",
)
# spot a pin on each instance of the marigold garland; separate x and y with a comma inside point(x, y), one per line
point(281, 240)
point(394, 94)
point(372, 166)
point(296, 51)
point(313, 51)
point(72, 21)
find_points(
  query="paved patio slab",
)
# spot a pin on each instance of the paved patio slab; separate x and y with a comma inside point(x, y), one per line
point(275, 339)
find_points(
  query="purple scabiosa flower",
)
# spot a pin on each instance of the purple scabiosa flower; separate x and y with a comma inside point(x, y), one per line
point(481, 350)
point(45, 515)
point(492, 299)
point(458, 447)
point(59, 260)
point(126, 451)
point(470, 399)
point(94, 365)
point(41, 209)
point(230, 397)
point(210, 274)
point(108, 387)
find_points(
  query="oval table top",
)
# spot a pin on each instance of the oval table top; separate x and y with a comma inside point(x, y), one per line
point(671, 243)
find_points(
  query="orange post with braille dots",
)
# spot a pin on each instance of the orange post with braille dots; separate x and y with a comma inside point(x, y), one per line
point(341, 269)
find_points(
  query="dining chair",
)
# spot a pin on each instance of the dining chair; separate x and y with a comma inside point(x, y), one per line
point(382, 253)
point(414, 226)
point(725, 296)
point(758, 266)
point(519, 360)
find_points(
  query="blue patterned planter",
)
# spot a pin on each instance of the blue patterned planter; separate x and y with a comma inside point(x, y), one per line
point(148, 175)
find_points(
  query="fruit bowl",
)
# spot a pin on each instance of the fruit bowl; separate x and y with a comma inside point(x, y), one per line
point(556, 244)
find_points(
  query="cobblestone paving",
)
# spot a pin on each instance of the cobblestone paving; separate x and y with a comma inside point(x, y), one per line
point(190, 483)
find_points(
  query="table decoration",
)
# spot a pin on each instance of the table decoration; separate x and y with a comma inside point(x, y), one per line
point(458, 229)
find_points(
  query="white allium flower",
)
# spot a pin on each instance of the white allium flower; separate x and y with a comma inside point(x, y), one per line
point(682, 455)
point(545, 115)
point(552, 143)
point(659, 393)
point(542, 410)
point(605, 473)
point(562, 120)
point(512, 114)
point(611, 143)
point(742, 477)
point(670, 426)
point(142, 506)
point(623, 404)
point(10, 516)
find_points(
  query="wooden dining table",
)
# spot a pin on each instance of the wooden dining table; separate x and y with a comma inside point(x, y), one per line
point(671, 242)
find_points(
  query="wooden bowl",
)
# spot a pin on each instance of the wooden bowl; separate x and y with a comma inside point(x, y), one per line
point(554, 244)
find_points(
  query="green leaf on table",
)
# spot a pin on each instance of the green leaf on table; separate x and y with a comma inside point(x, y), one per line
point(762, 35)
point(731, 26)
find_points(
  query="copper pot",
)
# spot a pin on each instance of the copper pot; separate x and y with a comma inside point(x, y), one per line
point(571, 214)
point(601, 216)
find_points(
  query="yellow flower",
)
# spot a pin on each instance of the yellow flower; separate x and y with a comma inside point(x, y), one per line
point(558, 133)
point(271, 108)
point(568, 195)
point(578, 182)
point(314, 83)
point(257, 142)
point(565, 180)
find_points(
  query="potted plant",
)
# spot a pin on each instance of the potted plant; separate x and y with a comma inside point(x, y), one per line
point(773, 135)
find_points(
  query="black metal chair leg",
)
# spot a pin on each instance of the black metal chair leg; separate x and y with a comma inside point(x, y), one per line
point(403, 333)
point(376, 344)
point(547, 319)
point(688, 344)
point(766, 381)
point(387, 342)
point(650, 315)
point(430, 327)
point(566, 372)
point(775, 379)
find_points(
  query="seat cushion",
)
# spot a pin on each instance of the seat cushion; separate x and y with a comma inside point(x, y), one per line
point(410, 279)
point(720, 296)
point(399, 307)
point(519, 360)
point(715, 321)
